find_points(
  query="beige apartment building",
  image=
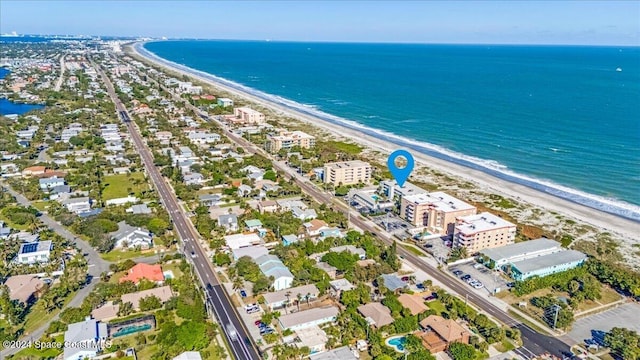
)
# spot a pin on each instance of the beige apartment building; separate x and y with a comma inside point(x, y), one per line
point(248, 115)
point(483, 231)
point(347, 173)
point(288, 139)
point(436, 211)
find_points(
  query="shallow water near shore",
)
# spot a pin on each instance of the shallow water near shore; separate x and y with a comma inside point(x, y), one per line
point(558, 119)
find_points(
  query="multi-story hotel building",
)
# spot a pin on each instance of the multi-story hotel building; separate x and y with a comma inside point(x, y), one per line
point(436, 211)
point(347, 173)
point(288, 139)
point(483, 231)
point(249, 115)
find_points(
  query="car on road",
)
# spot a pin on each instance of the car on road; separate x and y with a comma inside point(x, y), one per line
point(231, 332)
point(193, 254)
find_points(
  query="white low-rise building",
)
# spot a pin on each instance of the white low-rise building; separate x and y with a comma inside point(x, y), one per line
point(34, 252)
point(308, 318)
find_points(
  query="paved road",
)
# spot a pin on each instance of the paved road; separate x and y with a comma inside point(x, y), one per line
point(534, 343)
point(241, 344)
point(61, 78)
point(96, 266)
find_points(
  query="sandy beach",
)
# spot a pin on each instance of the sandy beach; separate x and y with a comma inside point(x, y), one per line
point(627, 230)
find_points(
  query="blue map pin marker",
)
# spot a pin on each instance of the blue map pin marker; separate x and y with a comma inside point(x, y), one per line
point(400, 174)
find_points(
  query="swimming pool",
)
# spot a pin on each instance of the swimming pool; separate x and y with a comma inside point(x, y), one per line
point(131, 330)
point(397, 343)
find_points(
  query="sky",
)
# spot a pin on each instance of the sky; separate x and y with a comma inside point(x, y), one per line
point(487, 22)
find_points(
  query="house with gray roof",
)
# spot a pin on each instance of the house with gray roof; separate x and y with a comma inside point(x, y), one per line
point(229, 222)
point(272, 266)
point(88, 336)
point(393, 282)
point(132, 237)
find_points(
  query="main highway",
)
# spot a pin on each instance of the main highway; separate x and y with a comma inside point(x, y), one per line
point(217, 298)
point(534, 343)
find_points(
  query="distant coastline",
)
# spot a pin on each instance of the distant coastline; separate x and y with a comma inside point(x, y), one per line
point(621, 209)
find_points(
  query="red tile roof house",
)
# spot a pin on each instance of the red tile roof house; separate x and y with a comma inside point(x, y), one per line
point(144, 271)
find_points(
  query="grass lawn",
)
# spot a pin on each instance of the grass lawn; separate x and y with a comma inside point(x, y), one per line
point(504, 346)
point(116, 186)
point(175, 268)
point(42, 353)
point(352, 149)
point(117, 255)
point(413, 250)
point(40, 205)
point(437, 306)
point(38, 316)
point(11, 224)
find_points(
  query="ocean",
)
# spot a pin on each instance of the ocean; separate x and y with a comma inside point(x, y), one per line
point(562, 119)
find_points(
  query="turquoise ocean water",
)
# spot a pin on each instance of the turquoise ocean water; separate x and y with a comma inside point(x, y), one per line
point(562, 119)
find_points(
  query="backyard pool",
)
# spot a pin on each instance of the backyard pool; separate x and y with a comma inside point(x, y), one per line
point(397, 343)
point(131, 329)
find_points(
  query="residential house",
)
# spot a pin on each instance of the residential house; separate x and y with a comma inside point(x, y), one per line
point(282, 298)
point(331, 271)
point(193, 178)
point(77, 205)
point(244, 190)
point(304, 215)
point(376, 314)
point(314, 227)
point(289, 239)
point(328, 232)
point(139, 209)
point(393, 282)
point(229, 222)
point(24, 288)
point(242, 240)
point(122, 201)
point(413, 302)
point(340, 285)
point(164, 294)
point(253, 224)
point(341, 353)
point(88, 337)
point(272, 266)
point(5, 231)
point(210, 199)
point(313, 338)
point(362, 254)
point(224, 102)
point(34, 171)
point(188, 355)
point(308, 318)
point(141, 271)
point(253, 252)
point(439, 333)
point(48, 183)
point(106, 312)
point(131, 237)
point(267, 206)
point(34, 252)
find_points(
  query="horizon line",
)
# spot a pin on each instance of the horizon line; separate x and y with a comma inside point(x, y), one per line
point(166, 38)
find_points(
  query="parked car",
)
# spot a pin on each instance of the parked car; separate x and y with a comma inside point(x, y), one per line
point(243, 293)
point(258, 322)
point(465, 277)
point(433, 296)
point(457, 272)
point(420, 286)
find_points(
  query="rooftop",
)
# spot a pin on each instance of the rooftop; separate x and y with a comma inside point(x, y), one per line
point(341, 353)
point(440, 200)
point(347, 164)
point(163, 293)
point(253, 252)
point(546, 261)
point(35, 247)
point(414, 303)
point(393, 282)
point(376, 314)
point(143, 271)
point(521, 248)
point(481, 222)
point(308, 316)
point(448, 329)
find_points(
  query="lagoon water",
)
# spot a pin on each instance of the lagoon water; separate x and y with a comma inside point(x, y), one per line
point(564, 115)
point(8, 107)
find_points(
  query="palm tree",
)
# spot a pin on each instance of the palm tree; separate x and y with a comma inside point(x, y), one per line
point(288, 295)
point(308, 297)
point(298, 299)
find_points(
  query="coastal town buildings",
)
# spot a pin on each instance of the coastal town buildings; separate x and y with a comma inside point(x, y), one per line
point(248, 115)
point(436, 211)
point(483, 231)
point(347, 173)
point(289, 139)
point(526, 259)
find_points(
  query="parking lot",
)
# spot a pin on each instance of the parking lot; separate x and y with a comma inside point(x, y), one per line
point(436, 247)
point(393, 224)
point(490, 279)
point(594, 326)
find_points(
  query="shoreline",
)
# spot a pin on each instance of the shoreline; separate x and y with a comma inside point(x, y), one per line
point(484, 181)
